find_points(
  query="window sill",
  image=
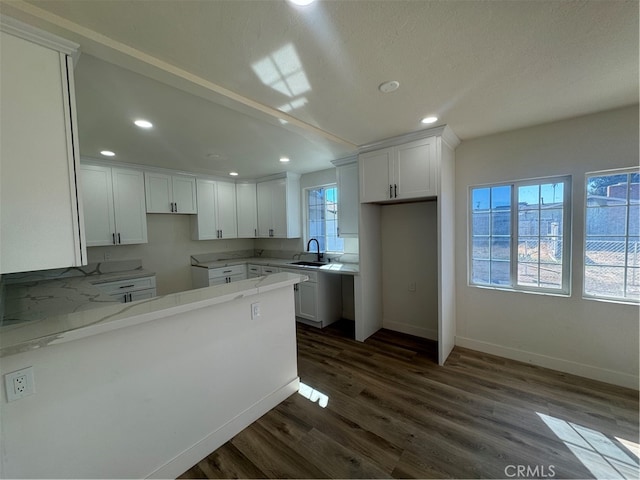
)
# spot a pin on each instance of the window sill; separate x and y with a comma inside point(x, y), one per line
point(617, 301)
point(513, 290)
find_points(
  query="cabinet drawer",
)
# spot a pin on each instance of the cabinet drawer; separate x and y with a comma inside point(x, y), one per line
point(131, 285)
point(254, 269)
point(227, 271)
point(128, 297)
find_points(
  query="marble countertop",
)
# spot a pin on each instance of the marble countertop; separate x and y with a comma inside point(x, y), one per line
point(37, 299)
point(333, 267)
point(101, 315)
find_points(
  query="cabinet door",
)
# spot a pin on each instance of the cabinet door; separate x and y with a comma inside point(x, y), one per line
point(374, 175)
point(308, 301)
point(205, 223)
point(263, 190)
point(247, 210)
point(158, 192)
point(97, 198)
point(279, 208)
point(38, 196)
point(348, 204)
point(415, 169)
point(226, 199)
point(184, 194)
point(129, 206)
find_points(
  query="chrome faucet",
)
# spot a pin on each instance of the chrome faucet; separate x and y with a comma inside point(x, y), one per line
point(317, 244)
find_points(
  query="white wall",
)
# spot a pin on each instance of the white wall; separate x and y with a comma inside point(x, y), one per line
point(151, 399)
point(586, 337)
point(168, 251)
point(410, 255)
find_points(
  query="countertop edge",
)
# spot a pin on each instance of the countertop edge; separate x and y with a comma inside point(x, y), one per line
point(116, 320)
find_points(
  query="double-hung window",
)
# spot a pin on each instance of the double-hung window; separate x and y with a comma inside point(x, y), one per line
point(612, 235)
point(322, 218)
point(520, 235)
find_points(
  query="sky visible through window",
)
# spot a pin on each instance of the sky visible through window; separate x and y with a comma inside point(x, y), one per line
point(322, 218)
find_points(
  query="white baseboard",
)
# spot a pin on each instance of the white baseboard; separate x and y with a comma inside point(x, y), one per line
point(226, 432)
point(422, 332)
point(567, 366)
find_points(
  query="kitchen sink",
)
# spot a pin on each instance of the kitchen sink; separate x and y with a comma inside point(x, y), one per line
point(308, 264)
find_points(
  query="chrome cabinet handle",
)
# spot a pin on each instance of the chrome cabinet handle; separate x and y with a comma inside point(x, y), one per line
point(128, 286)
point(113, 237)
point(390, 191)
point(396, 189)
point(119, 239)
point(176, 204)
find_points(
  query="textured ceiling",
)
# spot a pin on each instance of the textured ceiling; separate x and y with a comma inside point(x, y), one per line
point(482, 67)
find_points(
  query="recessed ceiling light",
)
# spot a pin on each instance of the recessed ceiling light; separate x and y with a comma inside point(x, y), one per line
point(284, 159)
point(390, 86)
point(302, 3)
point(233, 174)
point(143, 123)
point(107, 153)
point(431, 119)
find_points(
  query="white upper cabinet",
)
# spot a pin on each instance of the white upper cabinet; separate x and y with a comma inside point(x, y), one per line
point(216, 216)
point(170, 193)
point(279, 207)
point(114, 205)
point(40, 214)
point(247, 210)
point(400, 172)
point(348, 203)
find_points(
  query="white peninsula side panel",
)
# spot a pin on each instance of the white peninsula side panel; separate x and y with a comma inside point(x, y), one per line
point(151, 399)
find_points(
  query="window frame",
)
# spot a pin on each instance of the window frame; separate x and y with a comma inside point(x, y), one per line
point(513, 286)
point(305, 219)
point(599, 297)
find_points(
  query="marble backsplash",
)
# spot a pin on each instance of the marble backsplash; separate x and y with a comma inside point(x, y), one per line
point(99, 268)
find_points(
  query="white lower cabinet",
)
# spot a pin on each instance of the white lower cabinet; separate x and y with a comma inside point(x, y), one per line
point(207, 277)
point(253, 271)
point(318, 301)
point(268, 270)
point(132, 290)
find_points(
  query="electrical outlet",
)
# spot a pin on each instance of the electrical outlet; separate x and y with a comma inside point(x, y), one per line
point(107, 255)
point(19, 384)
point(255, 310)
point(412, 286)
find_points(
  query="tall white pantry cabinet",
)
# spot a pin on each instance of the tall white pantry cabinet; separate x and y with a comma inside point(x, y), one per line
point(41, 224)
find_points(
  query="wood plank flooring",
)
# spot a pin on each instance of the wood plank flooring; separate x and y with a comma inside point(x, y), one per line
point(393, 412)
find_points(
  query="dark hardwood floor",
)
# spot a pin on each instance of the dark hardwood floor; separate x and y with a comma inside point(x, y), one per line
point(393, 412)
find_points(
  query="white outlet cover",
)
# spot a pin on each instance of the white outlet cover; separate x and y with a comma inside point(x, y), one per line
point(19, 384)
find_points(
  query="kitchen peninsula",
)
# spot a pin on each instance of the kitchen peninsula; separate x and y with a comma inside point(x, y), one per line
point(164, 381)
